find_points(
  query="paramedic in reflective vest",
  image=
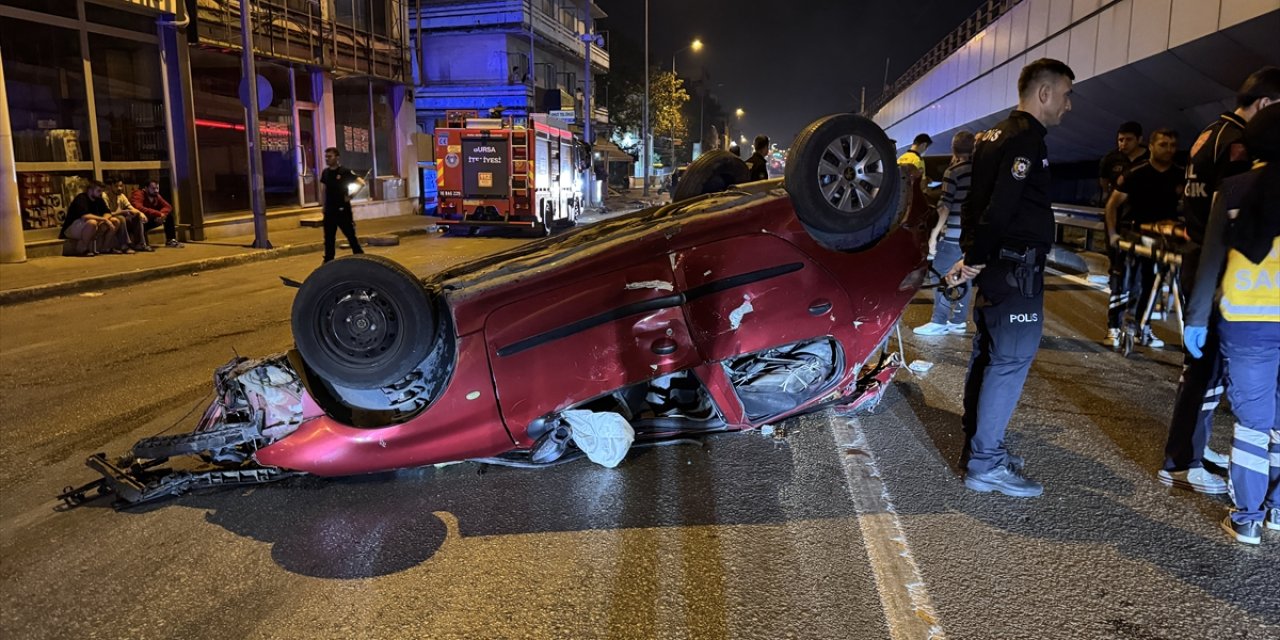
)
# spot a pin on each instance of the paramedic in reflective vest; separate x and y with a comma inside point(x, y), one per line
point(1218, 153)
point(1241, 256)
point(1007, 228)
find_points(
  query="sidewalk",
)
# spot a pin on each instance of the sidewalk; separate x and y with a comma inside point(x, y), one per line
point(41, 278)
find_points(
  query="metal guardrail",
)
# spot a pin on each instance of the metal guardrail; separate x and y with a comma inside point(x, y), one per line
point(1090, 219)
point(986, 14)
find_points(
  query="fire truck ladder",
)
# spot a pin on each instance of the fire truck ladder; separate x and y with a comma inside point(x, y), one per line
point(520, 169)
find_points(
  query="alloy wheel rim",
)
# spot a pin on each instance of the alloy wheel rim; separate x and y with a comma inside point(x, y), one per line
point(850, 173)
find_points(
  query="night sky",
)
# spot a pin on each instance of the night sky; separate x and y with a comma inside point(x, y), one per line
point(786, 62)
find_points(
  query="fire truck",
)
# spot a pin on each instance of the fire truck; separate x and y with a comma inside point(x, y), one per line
point(507, 171)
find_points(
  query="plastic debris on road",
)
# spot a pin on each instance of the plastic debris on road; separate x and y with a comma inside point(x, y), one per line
point(604, 436)
point(920, 366)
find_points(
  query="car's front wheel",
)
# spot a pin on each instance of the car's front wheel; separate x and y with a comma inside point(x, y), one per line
point(843, 180)
point(363, 322)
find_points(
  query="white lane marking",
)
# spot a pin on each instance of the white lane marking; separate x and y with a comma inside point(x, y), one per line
point(903, 593)
point(1077, 279)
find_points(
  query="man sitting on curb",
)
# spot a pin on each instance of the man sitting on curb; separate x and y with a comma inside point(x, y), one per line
point(134, 220)
point(86, 221)
point(149, 201)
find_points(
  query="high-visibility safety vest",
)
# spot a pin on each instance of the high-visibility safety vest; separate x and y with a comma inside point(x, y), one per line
point(1251, 292)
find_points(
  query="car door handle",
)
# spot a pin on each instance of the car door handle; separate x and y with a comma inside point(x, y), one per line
point(664, 346)
point(819, 307)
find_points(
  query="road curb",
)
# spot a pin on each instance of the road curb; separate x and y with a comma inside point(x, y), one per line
point(124, 278)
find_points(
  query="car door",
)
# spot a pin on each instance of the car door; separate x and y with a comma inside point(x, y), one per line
point(586, 337)
point(753, 292)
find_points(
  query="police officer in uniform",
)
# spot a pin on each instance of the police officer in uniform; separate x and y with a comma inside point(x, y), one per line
point(1218, 153)
point(1007, 228)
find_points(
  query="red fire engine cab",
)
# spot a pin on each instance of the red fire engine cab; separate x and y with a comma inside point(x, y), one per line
point(507, 171)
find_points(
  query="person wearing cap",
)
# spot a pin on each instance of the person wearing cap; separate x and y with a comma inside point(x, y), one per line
point(1241, 255)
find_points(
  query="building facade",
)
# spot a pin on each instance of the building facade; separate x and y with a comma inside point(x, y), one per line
point(135, 90)
point(525, 56)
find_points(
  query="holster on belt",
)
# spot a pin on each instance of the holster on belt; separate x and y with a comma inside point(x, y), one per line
point(1026, 272)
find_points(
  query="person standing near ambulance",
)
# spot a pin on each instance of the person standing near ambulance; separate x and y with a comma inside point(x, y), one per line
point(1007, 230)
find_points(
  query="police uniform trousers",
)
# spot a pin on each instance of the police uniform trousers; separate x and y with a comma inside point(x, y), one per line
point(339, 217)
point(1009, 328)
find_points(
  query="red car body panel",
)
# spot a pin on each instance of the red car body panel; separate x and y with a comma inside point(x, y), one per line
point(554, 323)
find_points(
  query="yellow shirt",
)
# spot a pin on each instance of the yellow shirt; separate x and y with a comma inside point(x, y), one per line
point(912, 158)
point(1251, 292)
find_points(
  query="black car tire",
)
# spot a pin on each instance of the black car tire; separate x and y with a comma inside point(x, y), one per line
point(843, 179)
point(363, 321)
point(713, 171)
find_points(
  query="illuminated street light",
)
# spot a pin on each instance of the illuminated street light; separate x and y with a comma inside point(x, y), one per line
point(740, 113)
point(696, 46)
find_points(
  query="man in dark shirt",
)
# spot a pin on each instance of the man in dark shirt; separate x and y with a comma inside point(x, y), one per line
point(1152, 190)
point(339, 185)
point(87, 221)
point(1129, 151)
point(1007, 228)
point(1218, 153)
point(756, 164)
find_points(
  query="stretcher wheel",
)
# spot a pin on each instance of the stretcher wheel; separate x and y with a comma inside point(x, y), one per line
point(843, 179)
point(363, 322)
point(712, 172)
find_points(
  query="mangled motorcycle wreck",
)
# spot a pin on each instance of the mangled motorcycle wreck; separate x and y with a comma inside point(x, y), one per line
point(722, 312)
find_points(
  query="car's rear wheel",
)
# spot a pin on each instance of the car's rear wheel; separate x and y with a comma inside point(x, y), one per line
point(363, 322)
point(713, 171)
point(843, 179)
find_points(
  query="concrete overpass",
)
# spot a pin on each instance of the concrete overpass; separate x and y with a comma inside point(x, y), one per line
point(1164, 63)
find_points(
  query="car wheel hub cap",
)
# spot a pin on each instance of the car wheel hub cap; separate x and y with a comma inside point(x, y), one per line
point(850, 172)
point(361, 326)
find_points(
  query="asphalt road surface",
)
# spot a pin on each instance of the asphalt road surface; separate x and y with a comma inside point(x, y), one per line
point(832, 528)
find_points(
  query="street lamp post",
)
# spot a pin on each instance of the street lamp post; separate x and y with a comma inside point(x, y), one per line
point(696, 46)
point(644, 142)
point(728, 139)
point(257, 198)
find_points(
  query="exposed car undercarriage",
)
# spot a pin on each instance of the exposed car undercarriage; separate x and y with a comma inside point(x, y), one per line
point(259, 401)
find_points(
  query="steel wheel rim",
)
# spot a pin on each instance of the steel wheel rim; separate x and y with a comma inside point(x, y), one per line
point(359, 325)
point(850, 173)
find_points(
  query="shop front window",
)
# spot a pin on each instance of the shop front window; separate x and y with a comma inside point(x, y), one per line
point(43, 197)
point(126, 182)
point(275, 133)
point(129, 97)
point(219, 119)
point(383, 130)
point(48, 103)
point(351, 120)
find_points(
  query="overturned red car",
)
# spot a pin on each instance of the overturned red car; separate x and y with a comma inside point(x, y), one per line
point(721, 312)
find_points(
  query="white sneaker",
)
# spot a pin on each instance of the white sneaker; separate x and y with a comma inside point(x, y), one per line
point(1216, 458)
point(1113, 337)
point(1149, 339)
point(957, 328)
point(931, 329)
point(1197, 480)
